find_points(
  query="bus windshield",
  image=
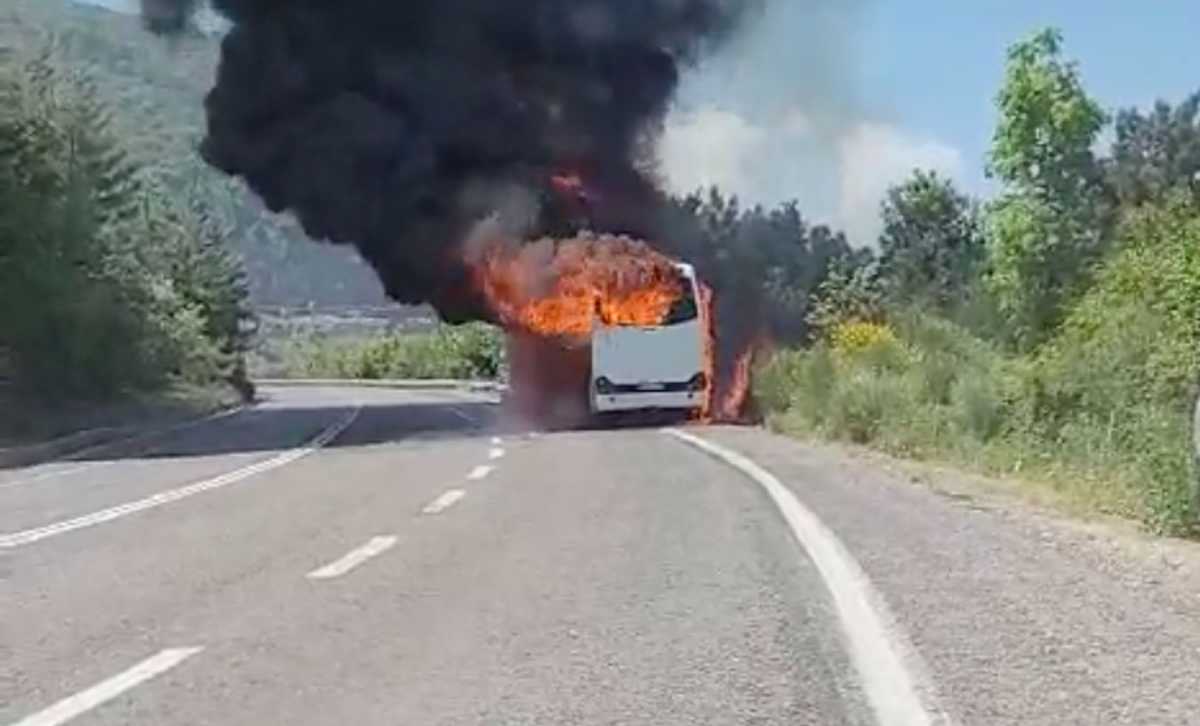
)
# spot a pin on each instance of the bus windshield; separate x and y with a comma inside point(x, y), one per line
point(685, 309)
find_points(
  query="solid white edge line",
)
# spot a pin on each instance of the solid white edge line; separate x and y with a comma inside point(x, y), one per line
point(29, 536)
point(887, 664)
point(480, 472)
point(105, 691)
point(495, 453)
point(444, 502)
point(374, 548)
point(134, 439)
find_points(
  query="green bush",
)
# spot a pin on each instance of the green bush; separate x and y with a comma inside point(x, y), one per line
point(799, 382)
point(1102, 417)
point(864, 401)
point(1116, 384)
point(977, 407)
point(465, 352)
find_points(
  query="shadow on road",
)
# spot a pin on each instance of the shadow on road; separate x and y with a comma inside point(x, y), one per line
point(271, 428)
point(275, 425)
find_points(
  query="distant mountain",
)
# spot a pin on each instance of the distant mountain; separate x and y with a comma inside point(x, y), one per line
point(205, 20)
point(156, 88)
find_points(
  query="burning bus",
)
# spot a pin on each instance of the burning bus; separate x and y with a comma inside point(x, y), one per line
point(401, 128)
point(652, 367)
point(599, 324)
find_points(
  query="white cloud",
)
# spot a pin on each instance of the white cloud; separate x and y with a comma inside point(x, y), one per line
point(838, 175)
point(711, 147)
point(875, 156)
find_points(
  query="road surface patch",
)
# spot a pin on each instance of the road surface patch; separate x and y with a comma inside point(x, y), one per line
point(495, 453)
point(892, 674)
point(105, 691)
point(29, 536)
point(444, 502)
point(55, 474)
point(374, 548)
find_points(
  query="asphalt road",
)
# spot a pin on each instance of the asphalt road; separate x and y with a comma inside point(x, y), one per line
point(370, 556)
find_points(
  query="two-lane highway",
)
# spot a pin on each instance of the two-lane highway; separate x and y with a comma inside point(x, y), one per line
point(424, 566)
point(371, 556)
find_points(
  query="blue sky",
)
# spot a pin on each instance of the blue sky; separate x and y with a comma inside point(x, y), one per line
point(831, 101)
point(939, 77)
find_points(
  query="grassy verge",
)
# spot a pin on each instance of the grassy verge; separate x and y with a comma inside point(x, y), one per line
point(463, 352)
point(1084, 426)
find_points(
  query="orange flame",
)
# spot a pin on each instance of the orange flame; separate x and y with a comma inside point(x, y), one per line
point(728, 396)
point(735, 396)
point(559, 288)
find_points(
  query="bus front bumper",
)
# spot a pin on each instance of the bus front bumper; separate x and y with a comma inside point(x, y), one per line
point(647, 401)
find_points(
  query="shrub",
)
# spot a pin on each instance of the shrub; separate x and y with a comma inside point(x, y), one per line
point(863, 401)
point(799, 383)
point(777, 380)
point(853, 336)
point(1127, 360)
point(817, 386)
point(978, 409)
point(466, 352)
point(1102, 419)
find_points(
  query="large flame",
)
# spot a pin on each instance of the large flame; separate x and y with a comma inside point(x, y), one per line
point(548, 296)
point(733, 401)
point(560, 288)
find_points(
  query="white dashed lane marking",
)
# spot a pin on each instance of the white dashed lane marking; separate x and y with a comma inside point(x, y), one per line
point(444, 502)
point(105, 691)
point(480, 472)
point(29, 536)
point(374, 548)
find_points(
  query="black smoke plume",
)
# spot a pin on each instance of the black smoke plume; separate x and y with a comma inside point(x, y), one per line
point(397, 125)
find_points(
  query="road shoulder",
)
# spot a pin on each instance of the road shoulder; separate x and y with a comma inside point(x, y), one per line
point(116, 425)
point(1021, 616)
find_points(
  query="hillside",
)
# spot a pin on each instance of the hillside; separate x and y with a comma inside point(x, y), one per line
point(155, 89)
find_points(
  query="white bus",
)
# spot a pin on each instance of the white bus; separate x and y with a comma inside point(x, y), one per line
point(660, 367)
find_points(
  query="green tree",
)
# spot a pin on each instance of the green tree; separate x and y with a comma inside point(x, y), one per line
point(1156, 152)
point(154, 90)
point(69, 322)
point(767, 263)
point(107, 284)
point(850, 292)
point(1045, 230)
point(931, 245)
